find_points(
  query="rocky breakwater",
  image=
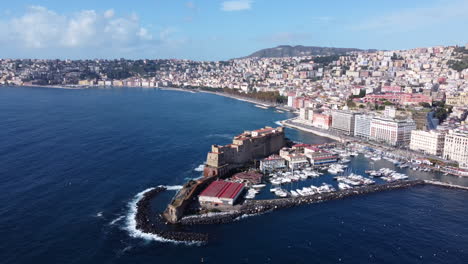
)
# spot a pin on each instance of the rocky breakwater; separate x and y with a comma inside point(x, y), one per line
point(446, 185)
point(152, 223)
point(261, 206)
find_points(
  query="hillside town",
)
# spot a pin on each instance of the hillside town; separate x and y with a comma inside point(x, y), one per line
point(416, 99)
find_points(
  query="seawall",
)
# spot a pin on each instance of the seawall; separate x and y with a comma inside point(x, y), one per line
point(446, 185)
point(261, 206)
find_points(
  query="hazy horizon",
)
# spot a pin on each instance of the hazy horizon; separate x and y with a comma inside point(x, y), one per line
point(221, 30)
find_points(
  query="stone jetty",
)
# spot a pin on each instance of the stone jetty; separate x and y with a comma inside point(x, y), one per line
point(261, 206)
point(152, 223)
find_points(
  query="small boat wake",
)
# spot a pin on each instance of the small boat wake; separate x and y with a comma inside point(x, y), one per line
point(131, 223)
point(98, 215)
point(115, 221)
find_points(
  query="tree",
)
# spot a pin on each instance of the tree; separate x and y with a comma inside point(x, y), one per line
point(425, 105)
point(351, 104)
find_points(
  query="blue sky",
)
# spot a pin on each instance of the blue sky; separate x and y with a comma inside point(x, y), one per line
point(218, 30)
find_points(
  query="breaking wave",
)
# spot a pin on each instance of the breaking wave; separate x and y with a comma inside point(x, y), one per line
point(171, 187)
point(246, 216)
point(200, 167)
point(130, 223)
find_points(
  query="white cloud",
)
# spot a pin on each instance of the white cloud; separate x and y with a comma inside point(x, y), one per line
point(109, 13)
point(81, 29)
point(40, 31)
point(36, 28)
point(236, 5)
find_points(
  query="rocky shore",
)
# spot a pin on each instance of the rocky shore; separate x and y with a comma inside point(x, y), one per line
point(151, 223)
point(261, 206)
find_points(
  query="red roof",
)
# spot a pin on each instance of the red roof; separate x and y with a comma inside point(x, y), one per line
point(223, 189)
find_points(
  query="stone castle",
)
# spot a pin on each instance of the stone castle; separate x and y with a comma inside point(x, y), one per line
point(245, 148)
point(221, 160)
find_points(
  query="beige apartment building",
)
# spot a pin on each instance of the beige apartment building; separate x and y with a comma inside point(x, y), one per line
point(391, 131)
point(457, 100)
point(429, 142)
point(456, 147)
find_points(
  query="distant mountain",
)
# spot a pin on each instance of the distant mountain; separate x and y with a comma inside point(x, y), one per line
point(296, 51)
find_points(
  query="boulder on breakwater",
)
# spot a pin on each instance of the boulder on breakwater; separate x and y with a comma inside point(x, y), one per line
point(151, 223)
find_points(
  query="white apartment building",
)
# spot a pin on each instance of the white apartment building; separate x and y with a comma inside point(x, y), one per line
point(456, 147)
point(362, 125)
point(306, 114)
point(430, 142)
point(391, 131)
point(344, 121)
point(390, 111)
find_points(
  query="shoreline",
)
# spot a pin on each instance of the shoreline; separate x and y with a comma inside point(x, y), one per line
point(48, 86)
point(78, 87)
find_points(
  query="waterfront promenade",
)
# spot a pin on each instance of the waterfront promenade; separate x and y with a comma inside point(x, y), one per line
point(340, 137)
point(294, 123)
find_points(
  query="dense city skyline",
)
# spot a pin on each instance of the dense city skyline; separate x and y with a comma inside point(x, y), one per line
point(221, 30)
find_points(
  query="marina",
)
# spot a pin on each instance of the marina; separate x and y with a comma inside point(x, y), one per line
point(349, 168)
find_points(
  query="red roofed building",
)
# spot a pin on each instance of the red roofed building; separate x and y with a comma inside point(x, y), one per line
point(391, 89)
point(221, 192)
point(397, 98)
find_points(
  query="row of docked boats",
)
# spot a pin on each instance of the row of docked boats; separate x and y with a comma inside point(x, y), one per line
point(354, 180)
point(337, 168)
point(305, 191)
point(387, 174)
point(254, 190)
point(278, 178)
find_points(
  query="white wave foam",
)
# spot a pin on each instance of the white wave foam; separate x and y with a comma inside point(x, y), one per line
point(246, 216)
point(207, 215)
point(200, 167)
point(172, 187)
point(117, 220)
point(130, 225)
point(278, 123)
point(99, 214)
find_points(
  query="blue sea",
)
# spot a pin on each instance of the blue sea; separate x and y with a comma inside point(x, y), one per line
point(72, 163)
